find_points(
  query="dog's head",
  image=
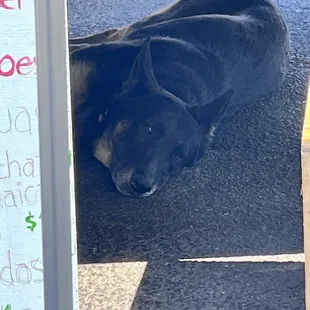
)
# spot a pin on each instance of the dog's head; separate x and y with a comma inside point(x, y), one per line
point(144, 140)
point(147, 133)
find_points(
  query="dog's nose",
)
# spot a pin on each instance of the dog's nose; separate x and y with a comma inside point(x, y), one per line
point(140, 183)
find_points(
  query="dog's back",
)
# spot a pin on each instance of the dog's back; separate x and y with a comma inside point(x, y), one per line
point(225, 44)
point(250, 38)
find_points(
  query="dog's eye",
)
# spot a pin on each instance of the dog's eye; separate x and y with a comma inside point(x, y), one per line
point(102, 116)
point(155, 130)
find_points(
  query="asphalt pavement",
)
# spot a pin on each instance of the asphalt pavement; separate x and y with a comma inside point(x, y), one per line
point(242, 199)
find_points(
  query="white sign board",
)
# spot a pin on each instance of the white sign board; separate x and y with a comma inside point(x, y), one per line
point(21, 262)
point(21, 252)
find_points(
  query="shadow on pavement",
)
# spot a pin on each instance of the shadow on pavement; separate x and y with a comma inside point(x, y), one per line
point(241, 286)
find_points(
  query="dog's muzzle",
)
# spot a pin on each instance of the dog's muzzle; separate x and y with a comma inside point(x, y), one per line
point(135, 184)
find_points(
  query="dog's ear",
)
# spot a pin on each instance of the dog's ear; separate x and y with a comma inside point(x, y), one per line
point(141, 79)
point(209, 115)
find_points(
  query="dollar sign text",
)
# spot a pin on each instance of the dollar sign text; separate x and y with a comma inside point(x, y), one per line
point(32, 223)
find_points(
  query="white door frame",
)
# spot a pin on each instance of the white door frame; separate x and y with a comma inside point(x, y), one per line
point(57, 180)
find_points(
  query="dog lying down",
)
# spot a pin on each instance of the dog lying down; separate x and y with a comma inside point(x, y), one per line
point(152, 91)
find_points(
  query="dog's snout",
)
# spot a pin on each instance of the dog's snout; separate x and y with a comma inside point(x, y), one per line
point(141, 183)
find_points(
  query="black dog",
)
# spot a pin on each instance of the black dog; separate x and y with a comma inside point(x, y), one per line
point(151, 90)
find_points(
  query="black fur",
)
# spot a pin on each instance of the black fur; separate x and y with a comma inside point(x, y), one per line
point(171, 77)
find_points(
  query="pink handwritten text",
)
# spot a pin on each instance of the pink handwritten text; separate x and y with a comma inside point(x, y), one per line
point(11, 5)
point(23, 66)
point(21, 273)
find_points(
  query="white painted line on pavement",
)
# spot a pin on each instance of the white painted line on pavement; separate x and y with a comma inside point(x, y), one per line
point(281, 258)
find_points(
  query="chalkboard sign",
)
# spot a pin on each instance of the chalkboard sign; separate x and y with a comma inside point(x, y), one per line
point(29, 200)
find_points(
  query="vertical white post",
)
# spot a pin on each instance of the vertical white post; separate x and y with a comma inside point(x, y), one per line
point(57, 179)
